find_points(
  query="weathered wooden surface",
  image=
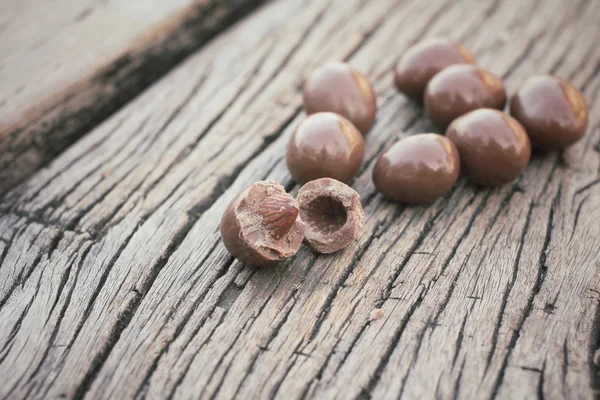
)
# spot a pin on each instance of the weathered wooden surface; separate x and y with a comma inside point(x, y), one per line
point(66, 65)
point(114, 283)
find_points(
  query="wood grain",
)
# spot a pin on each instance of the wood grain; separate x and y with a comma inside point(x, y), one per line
point(115, 283)
point(67, 64)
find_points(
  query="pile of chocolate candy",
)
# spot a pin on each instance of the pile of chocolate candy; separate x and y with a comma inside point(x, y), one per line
point(265, 225)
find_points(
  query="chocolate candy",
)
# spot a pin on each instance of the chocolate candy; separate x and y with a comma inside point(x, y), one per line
point(417, 169)
point(552, 111)
point(339, 88)
point(260, 226)
point(422, 61)
point(325, 145)
point(494, 148)
point(332, 213)
point(458, 89)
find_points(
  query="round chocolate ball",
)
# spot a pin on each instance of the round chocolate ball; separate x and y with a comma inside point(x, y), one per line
point(424, 60)
point(339, 88)
point(552, 111)
point(325, 145)
point(458, 89)
point(417, 169)
point(493, 147)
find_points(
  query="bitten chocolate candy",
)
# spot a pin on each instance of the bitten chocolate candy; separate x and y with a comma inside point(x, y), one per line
point(417, 169)
point(332, 213)
point(458, 89)
point(494, 148)
point(422, 61)
point(325, 145)
point(260, 226)
point(339, 88)
point(552, 111)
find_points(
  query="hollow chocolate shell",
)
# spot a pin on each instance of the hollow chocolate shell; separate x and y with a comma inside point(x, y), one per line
point(424, 60)
point(332, 213)
point(458, 89)
point(418, 169)
point(493, 147)
point(552, 111)
point(325, 145)
point(339, 88)
point(260, 227)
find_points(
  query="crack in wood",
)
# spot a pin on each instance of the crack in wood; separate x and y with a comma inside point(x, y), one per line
point(98, 289)
point(535, 290)
point(23, 276)
point(15, 196)
point(127, 315)
point(247, 326)
point(541, 382)
point(396, 340)
point(86, 248)
point(458, 379)
point(289, 305)
point(577, 214)
point(509, 288)
point(179, 380)
point(185, 320)
point(397, 335)
point(458, 344)
point(17, 326)
point(55, 204)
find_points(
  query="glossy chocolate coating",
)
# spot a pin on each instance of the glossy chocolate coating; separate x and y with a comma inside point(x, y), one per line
point(332, 213)
point(552, 111)
point(417, 169)
point(325, 145)
point(246, 236)
point(339, 88)
point(424, 60)
point(458, 89)
point(493, 147)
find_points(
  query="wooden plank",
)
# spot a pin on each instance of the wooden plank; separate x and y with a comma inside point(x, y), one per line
point(68, 64)
point(115, 283)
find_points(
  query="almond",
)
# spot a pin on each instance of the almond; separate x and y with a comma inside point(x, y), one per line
point(279, 212)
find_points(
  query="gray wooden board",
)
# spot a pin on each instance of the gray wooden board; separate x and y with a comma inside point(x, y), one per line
point(114, 282)
point(68, 64)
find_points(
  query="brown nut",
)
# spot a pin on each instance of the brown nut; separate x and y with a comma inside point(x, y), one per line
point(332, 213)
point(424, 60)
point(260, 226)
point(458, 89)
point(339, 88)
point(552, 111)
point(417, 169)
point(493, 146)
point(325, 145)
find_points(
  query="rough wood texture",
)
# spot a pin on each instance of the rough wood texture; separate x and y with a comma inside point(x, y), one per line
point(66, 65)
point(114, 283)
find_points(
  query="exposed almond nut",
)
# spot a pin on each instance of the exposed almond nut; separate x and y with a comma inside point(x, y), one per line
point(279, 212)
